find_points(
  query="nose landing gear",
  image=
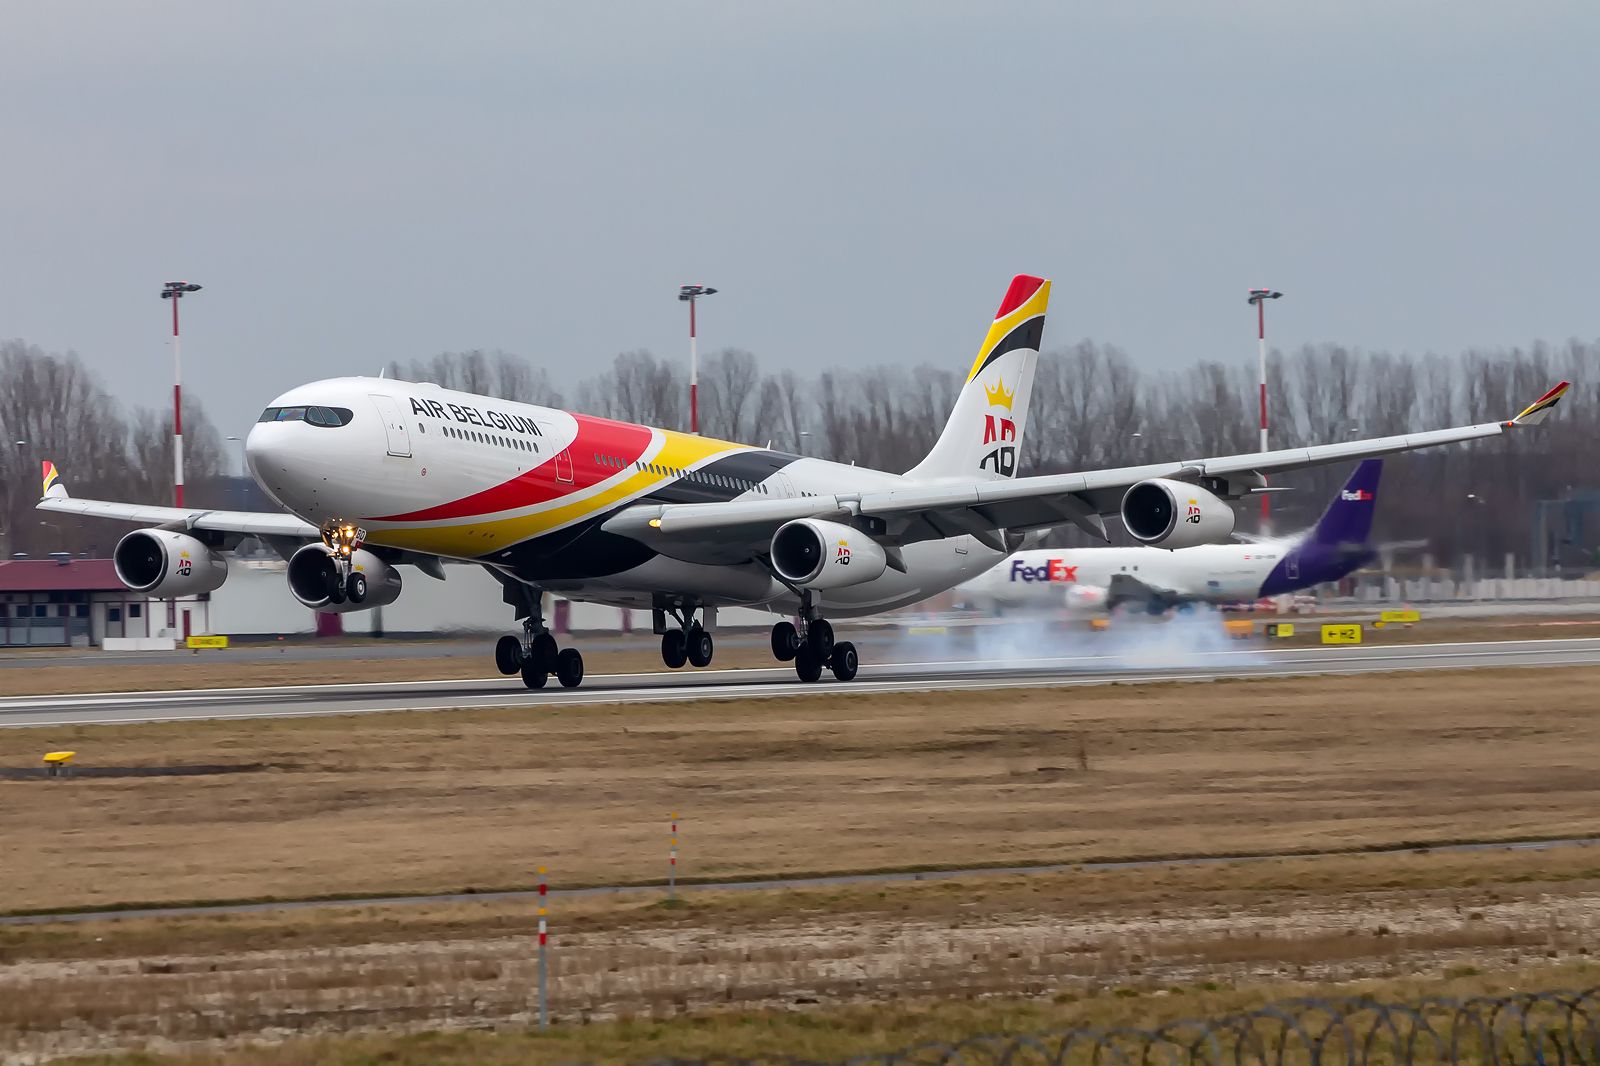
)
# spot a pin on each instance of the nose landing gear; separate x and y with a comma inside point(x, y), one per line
point(343, 539)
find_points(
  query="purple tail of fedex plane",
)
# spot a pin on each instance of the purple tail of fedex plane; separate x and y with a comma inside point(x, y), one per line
point(1338, 545)
point(1347, 522)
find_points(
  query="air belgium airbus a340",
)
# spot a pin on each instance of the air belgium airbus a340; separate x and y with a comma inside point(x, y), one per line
point(378, 473)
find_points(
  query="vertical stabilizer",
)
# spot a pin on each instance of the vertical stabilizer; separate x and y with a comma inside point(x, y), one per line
point(1348, 520)
point(983, 438)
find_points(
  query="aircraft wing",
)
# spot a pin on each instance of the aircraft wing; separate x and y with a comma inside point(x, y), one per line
point(254, 523)
point(258, 523)
point(926, 511)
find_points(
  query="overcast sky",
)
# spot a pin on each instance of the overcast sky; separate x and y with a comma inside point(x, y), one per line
point(355, 182)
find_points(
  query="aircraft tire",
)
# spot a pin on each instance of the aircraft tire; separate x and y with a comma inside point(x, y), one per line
point(844, 662)
point(355, 587)
point(807, 665)
point(534, 674)
point(785, 641)
point(569, 668)
point(820, 635)
point(700, 647)
point(674, 648)
point(508, 655)
point(544, 652)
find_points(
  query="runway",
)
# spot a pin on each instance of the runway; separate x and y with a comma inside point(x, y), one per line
point(1131, 664)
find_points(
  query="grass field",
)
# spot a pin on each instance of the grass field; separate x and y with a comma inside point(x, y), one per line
point(822, 972)
point(449, 801)
point(416, 802)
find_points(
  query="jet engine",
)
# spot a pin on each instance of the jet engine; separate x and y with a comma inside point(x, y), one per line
point(814, 554)
point(315, 580)
point(165, 563)
point(1175, 514)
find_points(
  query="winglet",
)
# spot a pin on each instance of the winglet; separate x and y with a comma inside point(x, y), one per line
point(1536, 411)
point(53, 488)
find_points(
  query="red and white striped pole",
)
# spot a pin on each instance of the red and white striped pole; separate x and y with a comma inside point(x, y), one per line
point(672, 861)
point(690, 294)
point(174, 290)
point(544, 956)
point(1259, 297)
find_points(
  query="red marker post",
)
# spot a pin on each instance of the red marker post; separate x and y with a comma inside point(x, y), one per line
point(544, 956)
point(672, 861)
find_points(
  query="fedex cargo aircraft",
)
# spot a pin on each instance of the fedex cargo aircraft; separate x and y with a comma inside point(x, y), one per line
point(375, 475)
point(1105, 578)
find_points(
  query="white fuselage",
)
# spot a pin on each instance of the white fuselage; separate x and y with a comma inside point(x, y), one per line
point(1215, 573)
point(525, 489)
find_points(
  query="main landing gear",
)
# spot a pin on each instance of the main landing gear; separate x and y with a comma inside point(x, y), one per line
point(535, 655)
point(811, 646)
point(690, 640)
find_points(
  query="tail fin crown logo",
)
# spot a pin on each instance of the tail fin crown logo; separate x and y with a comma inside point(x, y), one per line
point(999, 396)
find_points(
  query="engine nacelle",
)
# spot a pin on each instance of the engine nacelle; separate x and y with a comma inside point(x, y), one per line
point(165, 563)
point(1175, 514)
point(312, 576)
point(814, 554)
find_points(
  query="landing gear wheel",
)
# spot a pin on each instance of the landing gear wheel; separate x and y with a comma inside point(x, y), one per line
point(820, 634)
point(785, 641)
point(355, 587)
point(807, 666)
point(844, 661)
point(508, 654)
point(674, 648)
point(544, 652)
point(534, 674)
point(700, 647)
point(335, 585)
point(569, 668)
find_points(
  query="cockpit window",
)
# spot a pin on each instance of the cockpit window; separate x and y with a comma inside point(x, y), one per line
point(328, 417)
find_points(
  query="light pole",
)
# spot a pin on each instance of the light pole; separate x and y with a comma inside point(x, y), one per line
point(690, 294)
point(1259, 298)
point(174, 290)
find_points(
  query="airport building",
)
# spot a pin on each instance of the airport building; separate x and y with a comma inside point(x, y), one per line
point(69, 602)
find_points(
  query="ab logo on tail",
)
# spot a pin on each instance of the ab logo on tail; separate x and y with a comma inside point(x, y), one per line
point(999, 430)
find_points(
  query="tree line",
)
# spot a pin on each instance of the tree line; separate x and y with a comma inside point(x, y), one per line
point(1092, 407)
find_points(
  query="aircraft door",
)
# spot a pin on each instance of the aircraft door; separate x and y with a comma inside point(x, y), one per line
point(394, 425)
point(563, 457)
point(785, 486)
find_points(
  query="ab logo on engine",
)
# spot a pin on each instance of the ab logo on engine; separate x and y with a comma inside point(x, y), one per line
point(1193, 518)
point(841, 554)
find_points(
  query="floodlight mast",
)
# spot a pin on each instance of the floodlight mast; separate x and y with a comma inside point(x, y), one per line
point(690, 294)
point(174, 291)
point(1259, 298)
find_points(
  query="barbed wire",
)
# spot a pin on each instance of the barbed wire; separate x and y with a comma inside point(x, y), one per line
point(1561, 1027)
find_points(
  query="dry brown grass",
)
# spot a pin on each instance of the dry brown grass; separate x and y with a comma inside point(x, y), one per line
point(835, 1032)
point(871, 967)
point(444, 801)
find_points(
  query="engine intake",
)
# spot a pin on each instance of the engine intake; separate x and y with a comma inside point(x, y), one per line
point(165, 563)
point(313, 578)
point(814, 554)
point(1175, 514)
